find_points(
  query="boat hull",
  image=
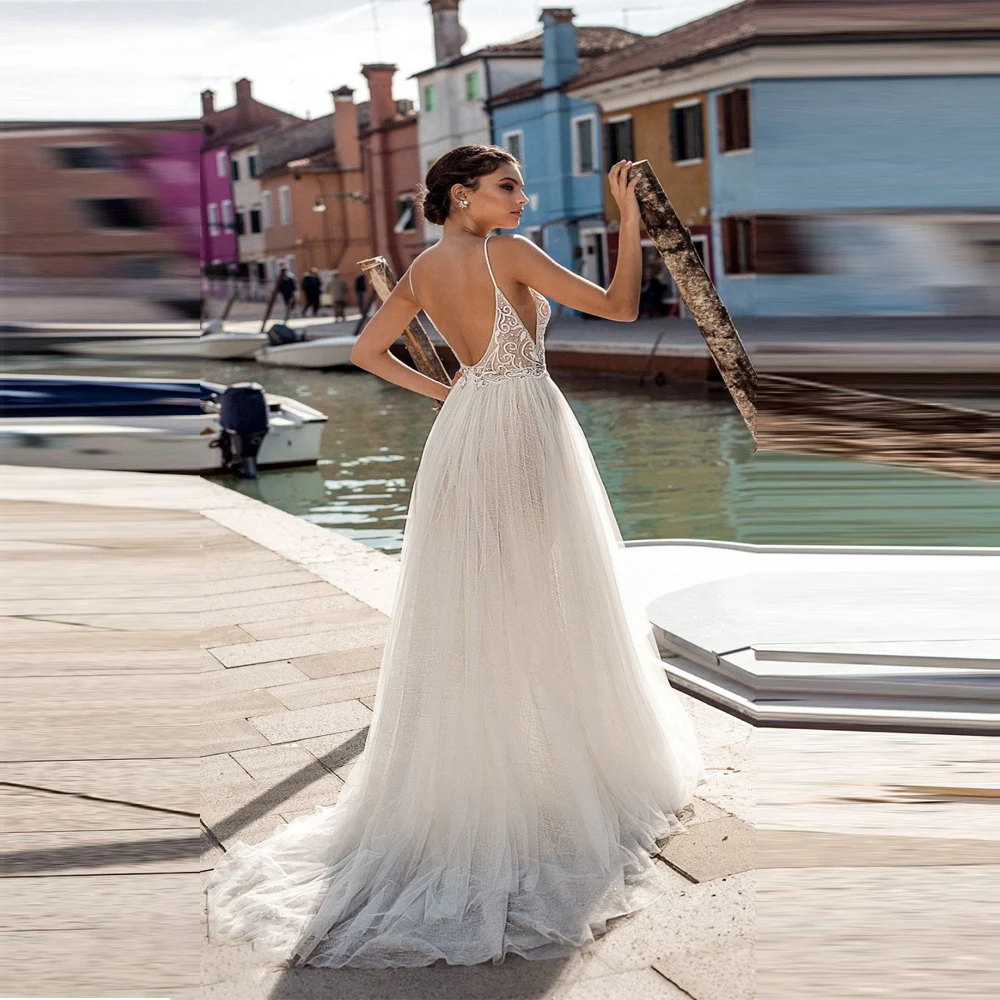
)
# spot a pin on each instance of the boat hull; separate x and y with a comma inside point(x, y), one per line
point(327, 352)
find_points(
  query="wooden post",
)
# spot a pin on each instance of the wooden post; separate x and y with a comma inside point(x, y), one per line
point(426, 359)
point(674, 243)
point(270, 306)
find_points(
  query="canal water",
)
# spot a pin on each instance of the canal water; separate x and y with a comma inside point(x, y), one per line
point(677, 462)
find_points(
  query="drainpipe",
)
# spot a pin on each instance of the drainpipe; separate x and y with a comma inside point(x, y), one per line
point(487, 104)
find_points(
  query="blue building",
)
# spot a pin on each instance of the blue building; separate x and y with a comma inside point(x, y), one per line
point(850, 149)
point(557, 140)
point(859, 193)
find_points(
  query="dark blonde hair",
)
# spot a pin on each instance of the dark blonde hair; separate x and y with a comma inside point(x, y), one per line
point(461, 165)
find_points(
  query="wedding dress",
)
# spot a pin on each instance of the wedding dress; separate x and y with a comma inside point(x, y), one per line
point(526, 750)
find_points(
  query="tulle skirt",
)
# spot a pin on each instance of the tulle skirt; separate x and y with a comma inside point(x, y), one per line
point(526, 750)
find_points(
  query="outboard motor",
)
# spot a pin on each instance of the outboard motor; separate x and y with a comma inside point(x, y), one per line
point(244, 423)
point(279, 334)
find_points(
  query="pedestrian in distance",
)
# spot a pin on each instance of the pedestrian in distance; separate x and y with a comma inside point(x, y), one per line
point(337, 288)
point(311, 288)
point(360, 290)
point(286, 289)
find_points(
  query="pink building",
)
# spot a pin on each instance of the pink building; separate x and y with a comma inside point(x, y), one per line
point(221, 130)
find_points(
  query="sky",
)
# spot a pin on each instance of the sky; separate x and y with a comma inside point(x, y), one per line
point(150, 59)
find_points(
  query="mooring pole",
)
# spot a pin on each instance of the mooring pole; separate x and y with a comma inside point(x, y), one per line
point(674, 243)
point(426, 359)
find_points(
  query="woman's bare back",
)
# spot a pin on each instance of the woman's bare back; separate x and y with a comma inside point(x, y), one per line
point(451, 282)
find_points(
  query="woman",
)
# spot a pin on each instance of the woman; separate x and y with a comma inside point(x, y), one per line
point(526, 751)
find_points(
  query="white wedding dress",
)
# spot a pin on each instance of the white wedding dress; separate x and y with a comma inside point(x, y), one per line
point(526, 750)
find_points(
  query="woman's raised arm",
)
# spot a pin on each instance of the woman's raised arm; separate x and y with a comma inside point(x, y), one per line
point(530, 265)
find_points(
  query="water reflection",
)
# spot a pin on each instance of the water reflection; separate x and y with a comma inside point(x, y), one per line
point(676, 460)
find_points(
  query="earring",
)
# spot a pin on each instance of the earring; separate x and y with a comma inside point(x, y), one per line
point(463, 203)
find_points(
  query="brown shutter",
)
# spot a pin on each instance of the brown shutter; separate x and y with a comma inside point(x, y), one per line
point(780, 246)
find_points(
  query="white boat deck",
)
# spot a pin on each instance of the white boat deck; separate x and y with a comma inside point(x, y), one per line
point(900, 637)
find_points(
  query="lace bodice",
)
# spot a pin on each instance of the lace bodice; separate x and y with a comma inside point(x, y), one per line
point(512, 352)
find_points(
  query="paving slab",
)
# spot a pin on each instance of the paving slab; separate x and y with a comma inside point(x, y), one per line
point(348, 636)
point(359, 684)
point(724, 974)
point(319, 720)
point(353, 611)
point(344, 662)
point(710, 850)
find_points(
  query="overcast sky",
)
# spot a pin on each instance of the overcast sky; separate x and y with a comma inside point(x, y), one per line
point(135, 59)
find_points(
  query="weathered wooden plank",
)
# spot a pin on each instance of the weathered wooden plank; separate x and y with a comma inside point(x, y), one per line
point(674, 243)
point(425, 357)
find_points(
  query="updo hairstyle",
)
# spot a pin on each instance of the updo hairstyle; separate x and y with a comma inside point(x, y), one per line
point(461, 165)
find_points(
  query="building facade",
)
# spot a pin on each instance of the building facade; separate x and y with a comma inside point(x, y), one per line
point(846, 165)
point(390, 155)
point(313, 194)
point(226, 131)
point(455, 93)
point(101, 206)
point(556, 138)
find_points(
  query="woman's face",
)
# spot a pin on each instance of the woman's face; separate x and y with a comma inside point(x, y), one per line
point(498, 201)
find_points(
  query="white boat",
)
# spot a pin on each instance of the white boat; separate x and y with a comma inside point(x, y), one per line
point(220, 344)
point(141, 425)
point(884, 637)
point(214, 343)
point(327, 352)
point(184, 346)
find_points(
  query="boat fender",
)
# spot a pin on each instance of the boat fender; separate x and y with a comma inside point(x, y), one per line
point(244, 422)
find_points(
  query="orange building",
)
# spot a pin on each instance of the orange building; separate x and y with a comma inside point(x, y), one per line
point(391, 156)
point(314, 194)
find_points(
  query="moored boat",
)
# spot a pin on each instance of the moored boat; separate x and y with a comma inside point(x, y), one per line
point(149, 425)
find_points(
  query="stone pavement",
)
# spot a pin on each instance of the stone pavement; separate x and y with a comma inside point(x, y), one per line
point(876, 855)
point(115, 582)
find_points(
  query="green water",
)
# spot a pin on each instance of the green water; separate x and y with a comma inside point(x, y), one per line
point(677, 462)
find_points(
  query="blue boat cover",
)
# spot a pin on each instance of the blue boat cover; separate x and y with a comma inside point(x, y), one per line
point(66, 396)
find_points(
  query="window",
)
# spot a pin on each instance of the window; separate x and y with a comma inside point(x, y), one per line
point(221, 163)
point(241, 224)
point(285, 205)
point(406, 219)
point(781, 246)
point(254, 220)
point(428, 97)
point(583, 145)
point(252, 165)
point(235, 172)
point(472, 86)
point(227, 216)
point(213, 219)
point(618, 141)
point(738, 245)
point(118, 213)
point(686, 133)
point(85, 157)
point(266, 209)
point(733, 109)
point(514, 141)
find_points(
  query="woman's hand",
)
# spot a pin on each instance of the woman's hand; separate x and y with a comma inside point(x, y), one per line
point(623, 191)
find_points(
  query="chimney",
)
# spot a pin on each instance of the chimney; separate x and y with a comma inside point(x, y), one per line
point(449, 35)
point(345, 129)
point(243, 95)
point(560, 61)
point(379, 77)
point(208, 102)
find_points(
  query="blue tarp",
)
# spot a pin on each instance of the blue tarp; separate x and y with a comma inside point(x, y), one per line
point(54, 396)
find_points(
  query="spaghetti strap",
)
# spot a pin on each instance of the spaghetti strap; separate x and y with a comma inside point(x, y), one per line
point(409, 281)
point(488, 265)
